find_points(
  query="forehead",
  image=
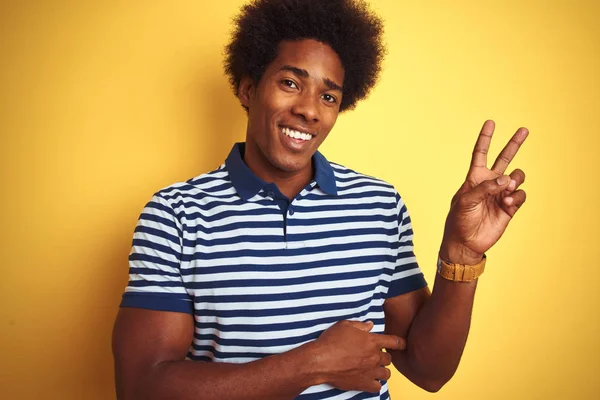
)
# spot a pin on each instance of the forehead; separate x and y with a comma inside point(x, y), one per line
point(317, 58)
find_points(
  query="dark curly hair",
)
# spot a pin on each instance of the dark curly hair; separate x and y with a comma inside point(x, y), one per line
point(349, 27)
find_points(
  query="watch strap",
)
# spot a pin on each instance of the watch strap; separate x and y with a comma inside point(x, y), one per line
point(460, 272)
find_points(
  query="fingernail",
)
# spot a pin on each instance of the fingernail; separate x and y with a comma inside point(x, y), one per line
point(513, 184)
point(502, 180)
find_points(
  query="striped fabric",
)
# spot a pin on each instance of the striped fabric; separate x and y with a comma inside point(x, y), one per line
point(263, 275)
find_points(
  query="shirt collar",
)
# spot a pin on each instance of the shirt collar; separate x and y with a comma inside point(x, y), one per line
point(324, 175)
point(247, 184)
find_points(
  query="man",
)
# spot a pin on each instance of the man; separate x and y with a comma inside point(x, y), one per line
point(280, 275)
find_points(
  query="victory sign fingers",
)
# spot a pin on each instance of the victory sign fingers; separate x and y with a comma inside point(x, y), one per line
point(482, 146)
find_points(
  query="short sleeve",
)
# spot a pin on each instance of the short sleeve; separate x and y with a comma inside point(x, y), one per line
point(155, 280)
point(407, 275)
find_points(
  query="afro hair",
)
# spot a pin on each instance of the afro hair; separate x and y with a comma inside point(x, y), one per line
point(349, 27)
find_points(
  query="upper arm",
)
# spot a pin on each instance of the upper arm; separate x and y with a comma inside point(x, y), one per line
point(400, 311)
point(155, 323)
point(408, 289)
point(142, 339)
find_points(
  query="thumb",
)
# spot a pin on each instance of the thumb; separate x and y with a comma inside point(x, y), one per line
point(487, 188)
point(363, 326)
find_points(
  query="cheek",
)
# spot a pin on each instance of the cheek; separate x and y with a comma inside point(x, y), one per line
point(330, 119)
point(273, 106)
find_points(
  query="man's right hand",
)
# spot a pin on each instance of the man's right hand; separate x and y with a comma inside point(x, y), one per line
point(351, 358)
point(150, 348)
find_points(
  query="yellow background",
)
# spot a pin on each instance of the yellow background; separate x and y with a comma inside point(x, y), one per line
point(103, 103)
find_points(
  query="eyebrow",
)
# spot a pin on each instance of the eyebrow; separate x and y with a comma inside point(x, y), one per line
point(304, 73)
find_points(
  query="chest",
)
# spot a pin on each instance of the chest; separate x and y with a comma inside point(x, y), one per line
point(265, 260)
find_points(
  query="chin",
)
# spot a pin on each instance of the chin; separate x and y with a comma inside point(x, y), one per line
point(289, 165)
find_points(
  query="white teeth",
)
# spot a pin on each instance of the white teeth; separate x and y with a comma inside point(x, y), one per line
point(295, 134)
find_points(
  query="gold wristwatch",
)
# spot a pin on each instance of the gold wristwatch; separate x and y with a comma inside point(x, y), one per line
point(460, 272)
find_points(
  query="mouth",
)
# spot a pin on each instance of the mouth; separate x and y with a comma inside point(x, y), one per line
point(297, 134)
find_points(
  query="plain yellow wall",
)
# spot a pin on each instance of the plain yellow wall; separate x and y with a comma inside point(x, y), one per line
point(103, 103)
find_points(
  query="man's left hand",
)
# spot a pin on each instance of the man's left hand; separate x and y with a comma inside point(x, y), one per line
point(486, 202)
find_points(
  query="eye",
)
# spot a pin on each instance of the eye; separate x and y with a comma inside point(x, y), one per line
point(289, 83)
point(329, 98)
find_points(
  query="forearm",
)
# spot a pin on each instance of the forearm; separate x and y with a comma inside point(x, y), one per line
point(280, 377)
point(438, 335)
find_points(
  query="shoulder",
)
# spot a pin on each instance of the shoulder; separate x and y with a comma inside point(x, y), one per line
point(351, 181)
point(215, 183)
point(191, 198)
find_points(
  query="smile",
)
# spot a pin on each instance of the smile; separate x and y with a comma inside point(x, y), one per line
point(296, 134)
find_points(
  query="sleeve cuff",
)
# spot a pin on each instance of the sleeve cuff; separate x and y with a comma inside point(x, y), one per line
point(157, 302)
point(405, 285)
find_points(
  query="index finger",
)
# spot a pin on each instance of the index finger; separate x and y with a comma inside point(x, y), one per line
point(389, 341)
point(482, 145)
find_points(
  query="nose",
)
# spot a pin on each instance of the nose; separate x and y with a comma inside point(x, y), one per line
point(307, 106)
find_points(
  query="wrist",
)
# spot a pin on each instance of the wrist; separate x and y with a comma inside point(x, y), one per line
point(459, 254)
point(311, 363)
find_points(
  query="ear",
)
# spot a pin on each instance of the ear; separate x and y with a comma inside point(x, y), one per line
point(246, 91)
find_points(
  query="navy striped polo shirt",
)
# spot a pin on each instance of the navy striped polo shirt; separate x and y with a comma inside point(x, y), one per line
point(263, 274)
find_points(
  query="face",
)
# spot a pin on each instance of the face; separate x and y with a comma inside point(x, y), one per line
point(292, 108)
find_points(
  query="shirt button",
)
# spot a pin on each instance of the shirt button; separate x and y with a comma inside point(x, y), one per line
point(270, 194)
point(291, 211)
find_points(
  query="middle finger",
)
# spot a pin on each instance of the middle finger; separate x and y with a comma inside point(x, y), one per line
point(385, 358)
point(509, 151)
